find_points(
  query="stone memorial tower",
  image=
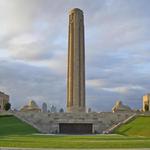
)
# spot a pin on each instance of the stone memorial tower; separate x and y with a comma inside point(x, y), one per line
point(76, 62)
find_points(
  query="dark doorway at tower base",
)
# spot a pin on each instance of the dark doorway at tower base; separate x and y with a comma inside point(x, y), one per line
point(75, 128)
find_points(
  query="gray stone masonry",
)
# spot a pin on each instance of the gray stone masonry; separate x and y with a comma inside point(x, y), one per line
point(49, 122)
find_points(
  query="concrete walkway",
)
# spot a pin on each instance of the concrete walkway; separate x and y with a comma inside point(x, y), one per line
point(9, 148)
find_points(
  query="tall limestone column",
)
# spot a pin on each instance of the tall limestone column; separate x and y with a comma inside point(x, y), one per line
point(76, 62)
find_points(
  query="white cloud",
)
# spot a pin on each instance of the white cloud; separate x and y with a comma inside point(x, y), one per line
point(123, 89)
point(24, 39)
point(34, 36)
point(96, 83)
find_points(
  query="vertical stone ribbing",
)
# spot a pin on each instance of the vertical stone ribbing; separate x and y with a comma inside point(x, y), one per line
point(76, 63)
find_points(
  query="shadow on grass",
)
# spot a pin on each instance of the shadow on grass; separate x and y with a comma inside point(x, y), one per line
point(124, 132)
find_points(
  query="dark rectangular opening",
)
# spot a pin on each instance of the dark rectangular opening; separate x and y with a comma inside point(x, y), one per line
point(75, 128)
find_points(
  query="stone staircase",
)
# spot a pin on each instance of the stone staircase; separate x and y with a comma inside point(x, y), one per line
point(111, 129)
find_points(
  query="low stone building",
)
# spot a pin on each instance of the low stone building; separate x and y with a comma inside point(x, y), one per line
point(146, 102)
point(119, 107)
point(73, 123)
point(4, 99)
point(32, 106)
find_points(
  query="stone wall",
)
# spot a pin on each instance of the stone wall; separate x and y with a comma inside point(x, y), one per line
point(49, 122)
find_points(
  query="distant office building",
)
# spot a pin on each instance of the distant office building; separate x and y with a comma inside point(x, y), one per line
point(4, 99)
point(146, 102)
point(53, 109)
point(61, 110)
point(89, 110)
point(44, 107)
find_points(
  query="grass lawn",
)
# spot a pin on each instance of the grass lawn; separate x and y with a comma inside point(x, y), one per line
point(10, 125)
point(96, 141)
point(22, 136)
point(138, 127)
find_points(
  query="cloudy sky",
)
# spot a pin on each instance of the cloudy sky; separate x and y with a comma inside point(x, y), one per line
point(33, 51)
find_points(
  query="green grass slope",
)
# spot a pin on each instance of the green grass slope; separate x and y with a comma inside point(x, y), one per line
point(15, 133)
point(10, 125)
point(138, 127)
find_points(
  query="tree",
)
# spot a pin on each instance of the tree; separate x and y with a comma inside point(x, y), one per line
point(7, 106)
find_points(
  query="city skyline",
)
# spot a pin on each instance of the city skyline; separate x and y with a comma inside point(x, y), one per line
point(33, 47)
